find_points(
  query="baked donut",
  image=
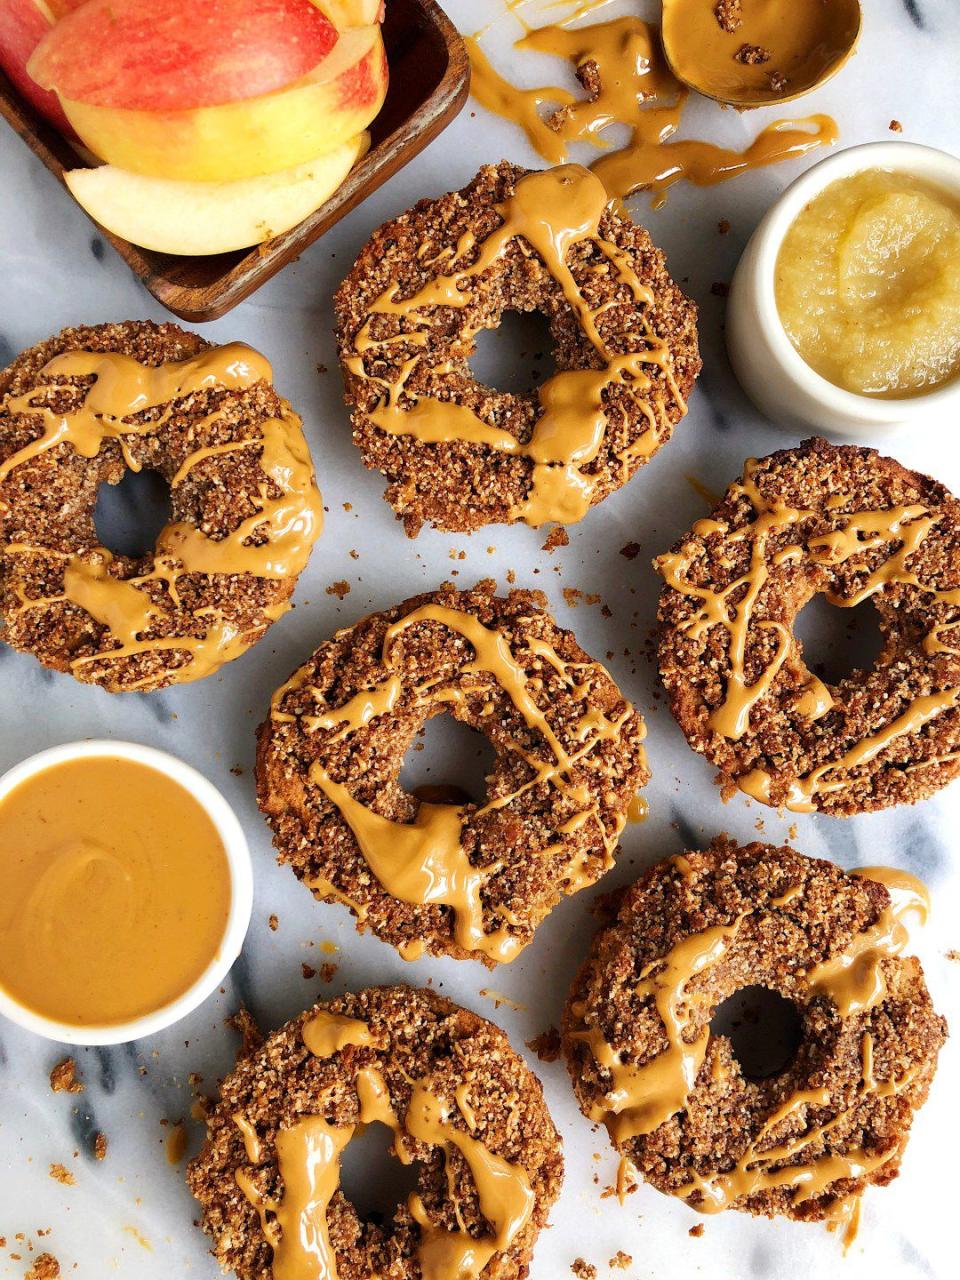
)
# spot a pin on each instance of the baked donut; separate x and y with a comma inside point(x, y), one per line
point(460, 1102)
point(455, 879)
point(76, 412)
point(459, 454)
point(844, 521)
point(693, 931)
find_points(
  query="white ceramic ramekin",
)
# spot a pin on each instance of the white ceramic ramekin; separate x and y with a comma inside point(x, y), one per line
point(769, 368)
point(241, 891)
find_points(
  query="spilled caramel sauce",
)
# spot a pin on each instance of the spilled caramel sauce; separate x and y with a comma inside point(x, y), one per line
point(642, 1097)
point(902, 529)
point(425, 861)
point(308, 1155)
point(273, 543)
point(629, 84)
point(552, 211)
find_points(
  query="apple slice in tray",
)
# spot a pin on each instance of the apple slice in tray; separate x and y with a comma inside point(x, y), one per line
point(172, 216)
point(351, 13)
point(213, 90)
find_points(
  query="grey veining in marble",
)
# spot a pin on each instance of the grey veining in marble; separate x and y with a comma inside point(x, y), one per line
point(131, 1214)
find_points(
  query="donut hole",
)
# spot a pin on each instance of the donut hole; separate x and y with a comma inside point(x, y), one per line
point(372, 1177)
point(448, 763)
point(764, 1030)
point(128, 516)
point(837, 642)
point(516, 356)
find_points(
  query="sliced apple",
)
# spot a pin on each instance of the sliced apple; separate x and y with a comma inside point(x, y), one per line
point(23, 24)
point(210, 217)
point(244, 139)
point(162, 55)
point(351, 13)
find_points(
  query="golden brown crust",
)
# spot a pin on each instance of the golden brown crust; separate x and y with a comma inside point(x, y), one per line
point(776, 944)
point(47, 505)
point(422, 1037)
point(532, 862)
point(826, 483)
point(460, 486)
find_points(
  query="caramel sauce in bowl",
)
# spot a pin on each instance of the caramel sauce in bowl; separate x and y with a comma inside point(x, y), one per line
point(125, 891)
point(770, 368)
point(751, 53)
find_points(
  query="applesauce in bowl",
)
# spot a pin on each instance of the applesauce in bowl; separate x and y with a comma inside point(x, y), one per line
point(867, 284)
point(844, 310)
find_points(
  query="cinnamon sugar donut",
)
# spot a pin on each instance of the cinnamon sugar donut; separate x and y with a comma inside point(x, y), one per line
point(693, 931)
point(75, 413)
point(460, 1103)
point(460, 455)
point(463, 880)
point(856, 526)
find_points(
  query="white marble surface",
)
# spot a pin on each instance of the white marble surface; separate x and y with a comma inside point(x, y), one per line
point(132, 1214)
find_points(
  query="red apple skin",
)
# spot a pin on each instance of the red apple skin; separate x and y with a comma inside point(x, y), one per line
point(174, 55)
point(253, 136)
point(23, 24)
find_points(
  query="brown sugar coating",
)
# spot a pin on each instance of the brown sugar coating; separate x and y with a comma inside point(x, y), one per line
point(690, 933)
point(569, 758)
point(411, 1045)
point(856, 526)
point(607, 295)
point(237, 464)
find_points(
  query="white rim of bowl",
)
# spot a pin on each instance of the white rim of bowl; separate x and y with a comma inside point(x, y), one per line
point(241, 891)
point(939, 168)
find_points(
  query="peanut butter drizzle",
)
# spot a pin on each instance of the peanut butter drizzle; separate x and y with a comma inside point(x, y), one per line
point(326, 1033)
point(424, 862)
point(285, 527)
point(861, 532)
point(854, 980)
point(308, 1155)
point(800, 797)
point(636, 90)
point(551, 211)
point(644, 1096)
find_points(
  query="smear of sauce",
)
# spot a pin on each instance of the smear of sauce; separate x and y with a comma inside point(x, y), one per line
point(627, 82)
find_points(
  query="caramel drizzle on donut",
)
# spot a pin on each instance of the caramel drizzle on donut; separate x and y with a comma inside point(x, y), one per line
point(285, 526)
point(308, 1155)
point(424, 861)
point(551, 212)
point(732, 607)
point(642, 1097)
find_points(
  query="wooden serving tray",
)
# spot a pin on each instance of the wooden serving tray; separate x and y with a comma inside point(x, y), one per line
point(429, 83)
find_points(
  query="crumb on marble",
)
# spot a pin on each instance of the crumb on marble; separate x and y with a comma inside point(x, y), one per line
point(546, 1045)
point(63, 1077)
point(45, 1267)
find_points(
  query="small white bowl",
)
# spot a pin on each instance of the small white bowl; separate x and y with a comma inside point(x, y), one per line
point(241, 891)
point(769, 368)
